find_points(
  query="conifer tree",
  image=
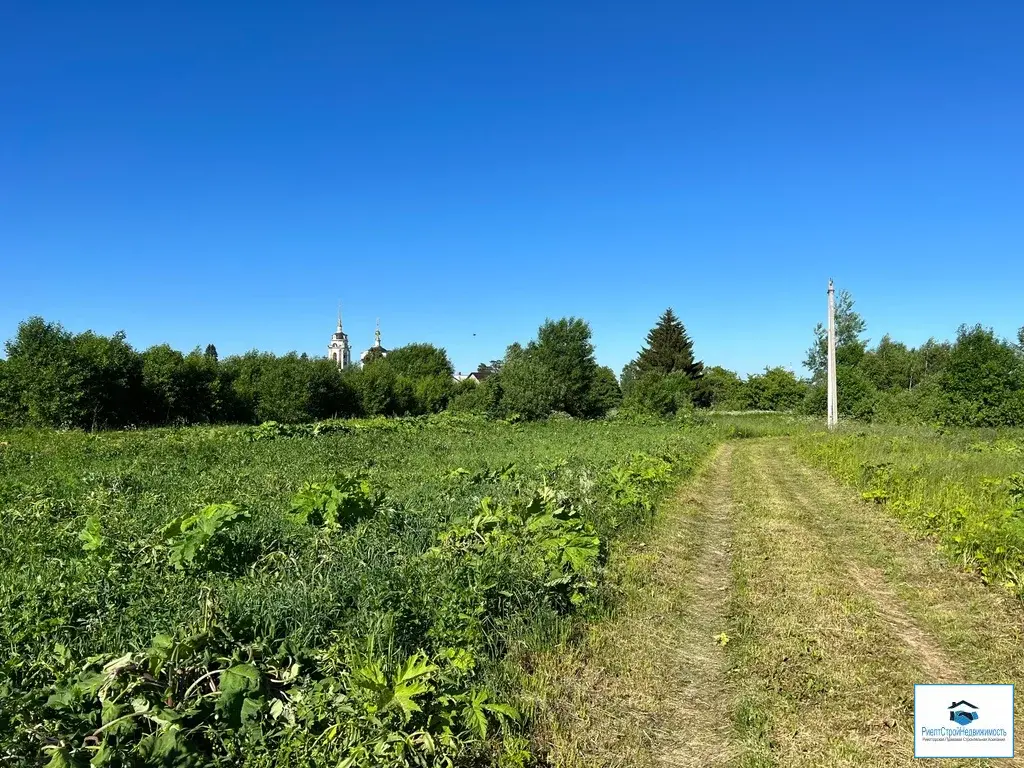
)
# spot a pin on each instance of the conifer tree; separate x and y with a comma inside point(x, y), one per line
point(669, 349)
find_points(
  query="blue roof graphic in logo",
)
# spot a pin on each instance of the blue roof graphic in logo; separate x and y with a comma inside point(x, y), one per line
point(963, 712)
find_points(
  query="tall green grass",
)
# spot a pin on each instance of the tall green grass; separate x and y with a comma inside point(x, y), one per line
point(965, 487)
point(388, 632)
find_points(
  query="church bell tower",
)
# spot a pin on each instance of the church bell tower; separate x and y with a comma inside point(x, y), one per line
point(338, 350)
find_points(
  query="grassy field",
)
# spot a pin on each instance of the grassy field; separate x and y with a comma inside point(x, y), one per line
point(774, 618)
point(965, 488)
point(451, 591)
point(366, 593)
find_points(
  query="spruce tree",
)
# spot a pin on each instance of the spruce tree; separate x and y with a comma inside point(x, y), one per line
point(669, 349)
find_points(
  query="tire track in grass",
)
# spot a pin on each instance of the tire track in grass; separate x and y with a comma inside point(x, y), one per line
point(872, 645)
point(834, 613)
point(961, 629)
point(699, 732)
point(651, 688)
point(828, 683)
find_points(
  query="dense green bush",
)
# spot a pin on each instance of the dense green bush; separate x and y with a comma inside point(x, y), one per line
point(556, 372)
point(720, 389)
point(482, 398)
point(777, 389)
point(659, 394)
point(983, 381)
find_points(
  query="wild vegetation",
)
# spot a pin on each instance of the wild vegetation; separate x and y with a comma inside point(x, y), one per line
point(965, 488)
point(785, 613)
point(360, 593)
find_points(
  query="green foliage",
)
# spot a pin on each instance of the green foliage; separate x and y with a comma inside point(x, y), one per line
point(528, 387)
point(669, 350)
point(857, 395)
point(656, 394)
point(333, 505)
point(484, 370)
point(637, 483)
point(188, 534)
point(483, 398)
point(555, 372)
point(45, 376)
point(892, 366)
point(604, 392)
point(421, 361)
point(849, 345)
point(400, 691)
point(92, 536)
point(57, 379)
point(777, 389)
point(628, 377)
point(272, 430)
point(721, 389)
point(179, 389)
point(379, 389)
point(560, 549)
point(227, 638)
point(562, 360)
point(982, 381)
point(432, 393)
point(977, 381)
point(965, 492)
point(286, 387)
point(112, 380)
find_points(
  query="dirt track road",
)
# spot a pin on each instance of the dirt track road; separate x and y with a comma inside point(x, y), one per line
point(776, 619)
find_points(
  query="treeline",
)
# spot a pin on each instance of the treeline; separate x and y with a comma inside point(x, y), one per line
point(52, 377)
point(977, 380)
point(55, 378)
point(556, 372)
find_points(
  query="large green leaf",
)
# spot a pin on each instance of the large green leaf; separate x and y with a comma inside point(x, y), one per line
point(581, 551)
point(235, 684)
point(415, 666)
point(190, 533)
point(404, 694)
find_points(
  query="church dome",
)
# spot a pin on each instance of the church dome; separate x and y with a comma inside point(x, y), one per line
point(377, 350)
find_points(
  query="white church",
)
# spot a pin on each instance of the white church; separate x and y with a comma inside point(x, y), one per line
point(340, 351)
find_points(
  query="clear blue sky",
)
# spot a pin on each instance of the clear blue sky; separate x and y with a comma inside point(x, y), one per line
point(226, 172)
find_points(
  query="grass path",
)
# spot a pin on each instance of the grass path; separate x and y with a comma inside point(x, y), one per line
point(642, 678)
point(833, 612)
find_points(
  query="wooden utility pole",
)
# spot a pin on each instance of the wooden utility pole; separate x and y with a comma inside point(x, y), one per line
point(833, 409)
